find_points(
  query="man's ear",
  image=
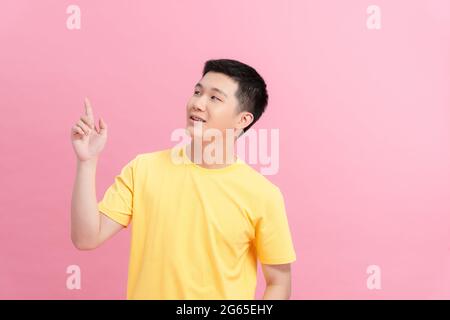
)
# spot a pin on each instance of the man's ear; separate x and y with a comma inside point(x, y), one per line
point(245, 119)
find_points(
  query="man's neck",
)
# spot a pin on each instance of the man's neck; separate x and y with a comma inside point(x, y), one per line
point(200, 160)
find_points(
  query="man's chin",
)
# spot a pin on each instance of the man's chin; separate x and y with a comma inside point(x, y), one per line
point(190, 132)
point(205, 135)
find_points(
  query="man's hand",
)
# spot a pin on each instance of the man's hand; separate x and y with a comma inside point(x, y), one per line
point(87, 140)
point(278, 281)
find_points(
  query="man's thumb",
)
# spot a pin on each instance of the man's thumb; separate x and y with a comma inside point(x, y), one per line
point(102, 126)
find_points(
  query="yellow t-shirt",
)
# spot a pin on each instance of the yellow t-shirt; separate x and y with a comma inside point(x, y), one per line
point(197, 233)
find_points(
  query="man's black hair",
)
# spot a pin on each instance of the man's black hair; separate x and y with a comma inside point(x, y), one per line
point(251, 93)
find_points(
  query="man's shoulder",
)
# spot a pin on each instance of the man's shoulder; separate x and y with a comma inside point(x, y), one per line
point(257, 179)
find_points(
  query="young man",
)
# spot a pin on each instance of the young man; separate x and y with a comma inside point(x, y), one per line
point(199, 226)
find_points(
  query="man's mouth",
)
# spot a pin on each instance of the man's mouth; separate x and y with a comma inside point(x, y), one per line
point(194, 118)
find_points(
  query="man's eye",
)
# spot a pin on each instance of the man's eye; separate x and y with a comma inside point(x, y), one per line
point(213, 97)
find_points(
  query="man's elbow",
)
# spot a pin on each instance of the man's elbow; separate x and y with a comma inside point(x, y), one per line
point(83, 245)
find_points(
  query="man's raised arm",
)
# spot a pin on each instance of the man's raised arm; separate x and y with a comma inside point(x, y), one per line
point(89, 227)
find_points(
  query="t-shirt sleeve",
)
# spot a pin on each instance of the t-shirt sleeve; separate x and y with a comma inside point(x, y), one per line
point(272, 235)
point(117, 202)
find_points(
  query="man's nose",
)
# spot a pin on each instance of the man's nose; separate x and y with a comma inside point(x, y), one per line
point(199, 106)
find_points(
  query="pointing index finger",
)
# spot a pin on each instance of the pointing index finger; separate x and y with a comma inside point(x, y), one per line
point(88, 108)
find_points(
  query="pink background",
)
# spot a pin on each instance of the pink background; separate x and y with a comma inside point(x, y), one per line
point(364, 120)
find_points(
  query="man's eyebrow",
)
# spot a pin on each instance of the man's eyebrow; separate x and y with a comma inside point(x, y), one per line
point(213, 89)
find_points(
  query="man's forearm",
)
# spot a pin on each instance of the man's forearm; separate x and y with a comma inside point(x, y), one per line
point(84, 212)
point(277, 292)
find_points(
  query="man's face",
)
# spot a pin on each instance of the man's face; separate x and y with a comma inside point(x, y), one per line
point(214, 101)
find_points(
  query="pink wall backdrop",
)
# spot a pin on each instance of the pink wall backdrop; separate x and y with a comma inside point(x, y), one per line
point(363, 116)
